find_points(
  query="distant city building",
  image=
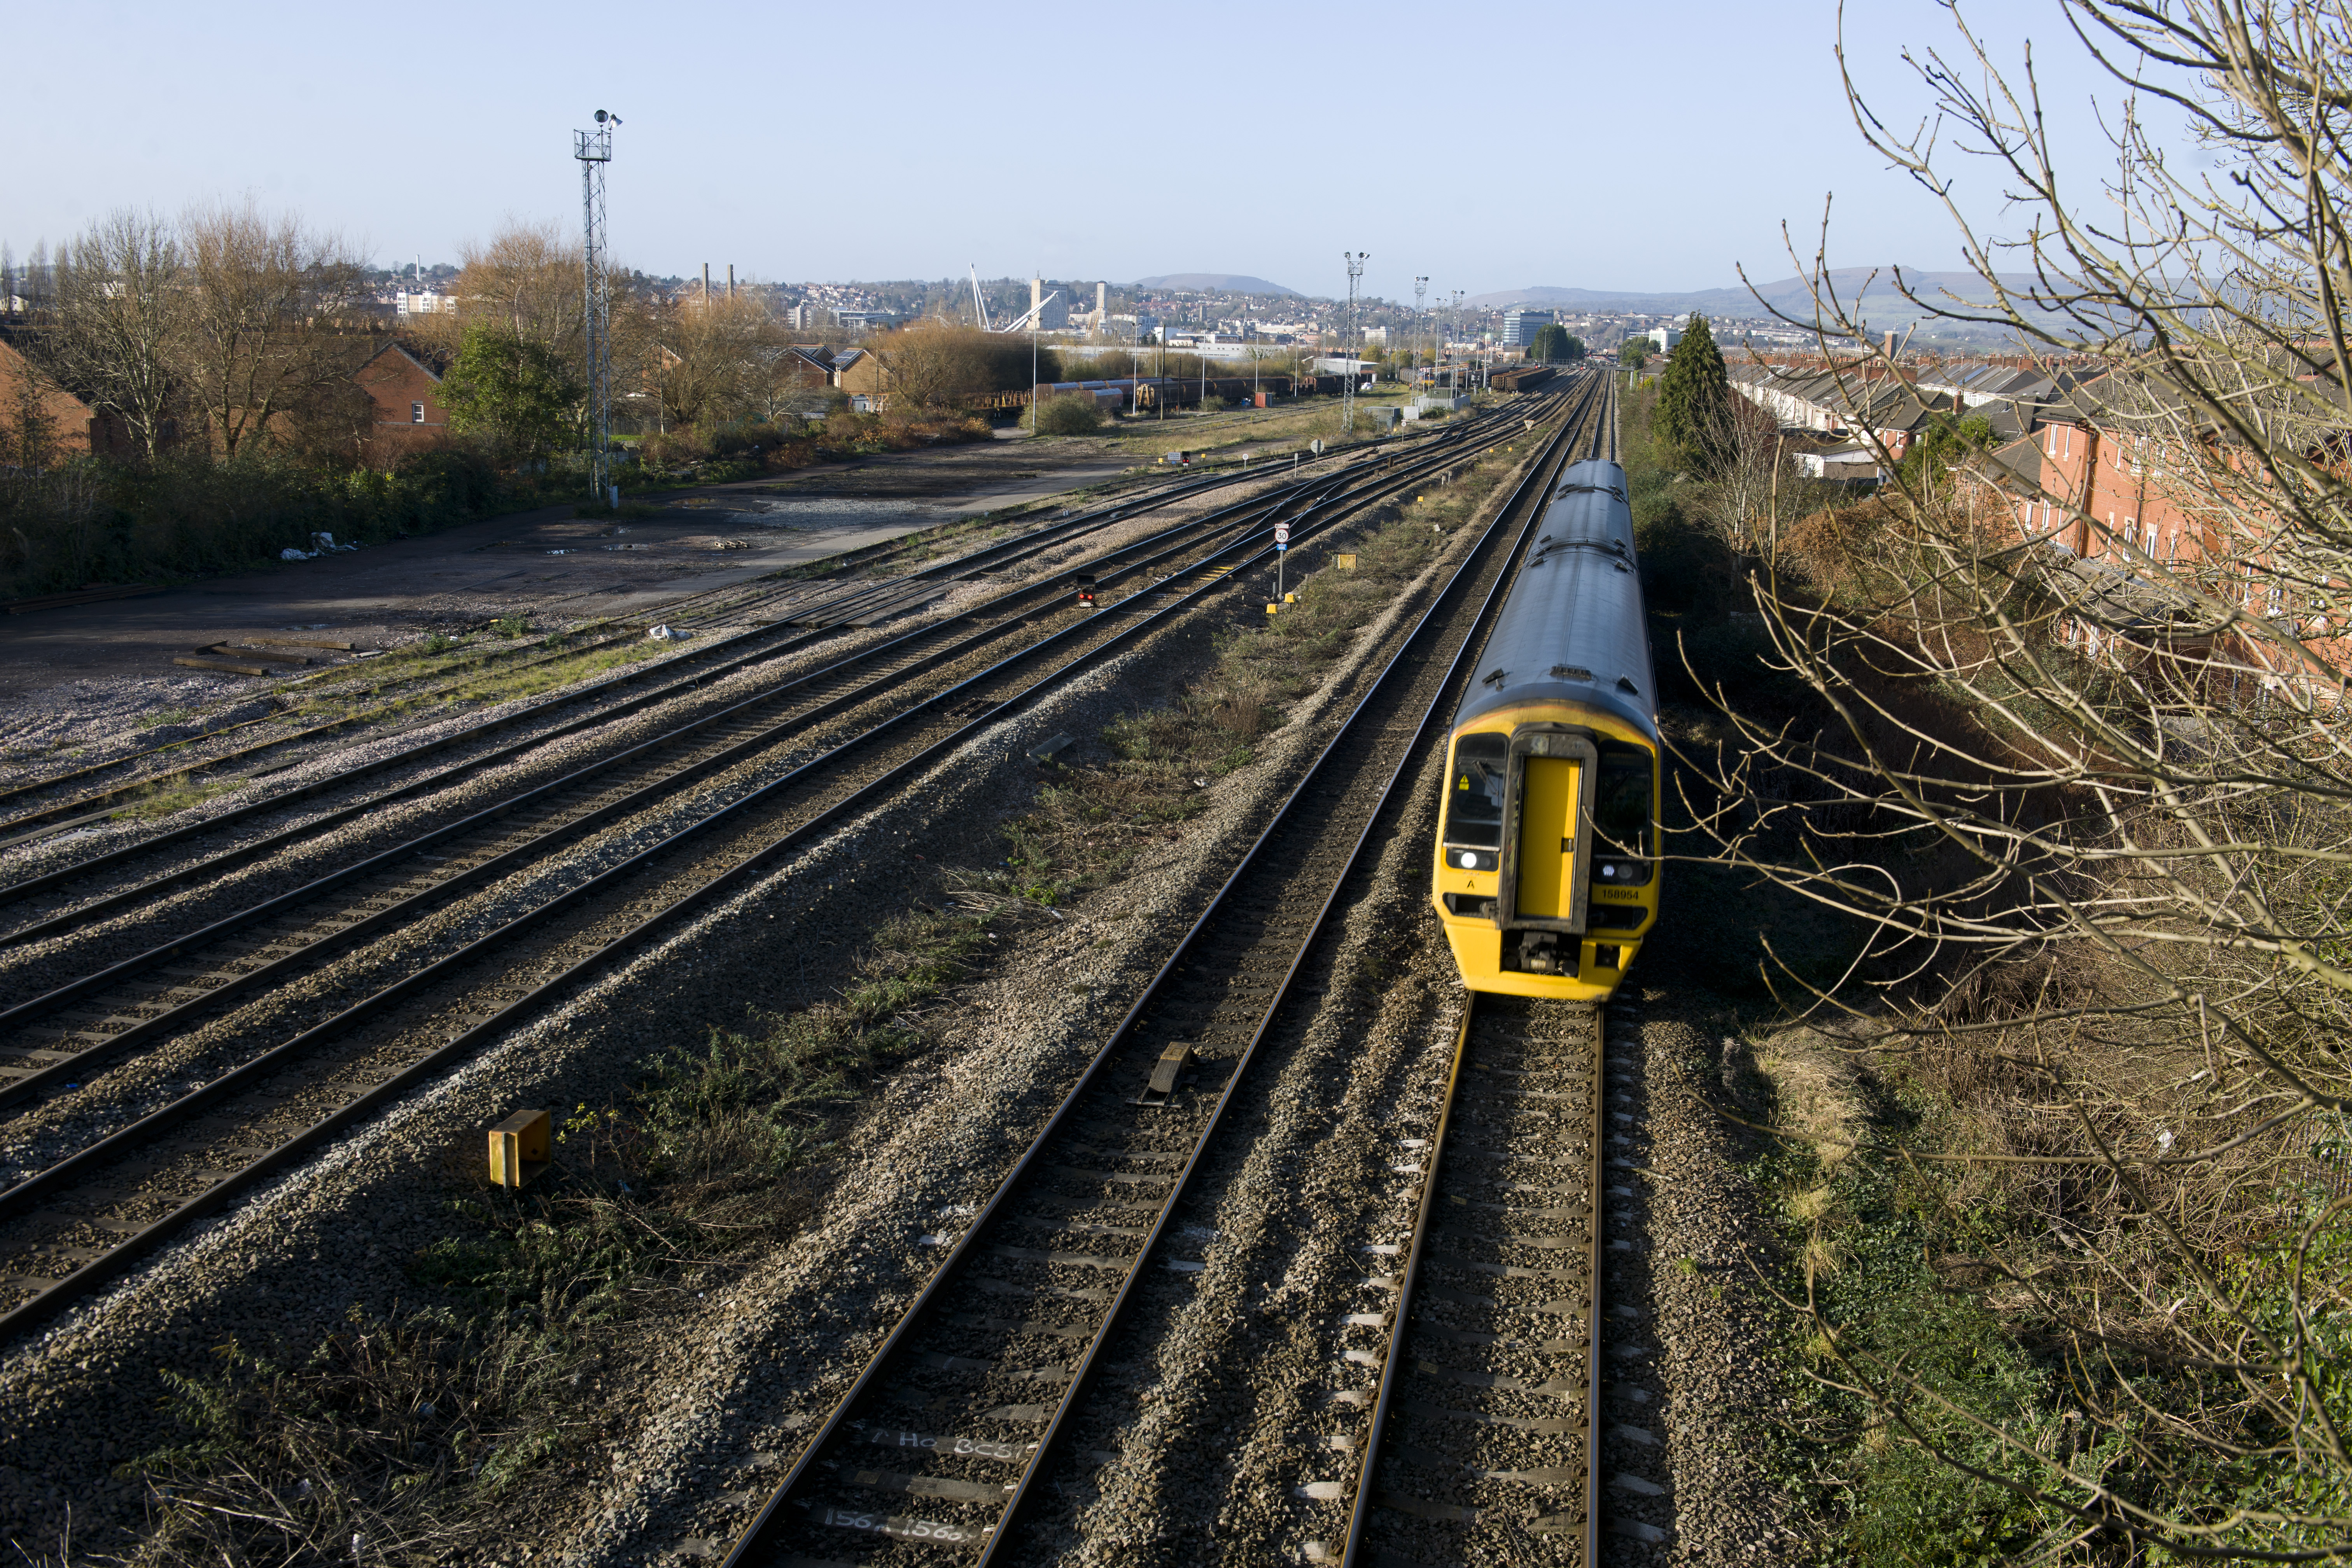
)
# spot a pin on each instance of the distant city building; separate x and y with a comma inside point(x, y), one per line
point(1520, 327)
point(423, 304)
point(1054, 314)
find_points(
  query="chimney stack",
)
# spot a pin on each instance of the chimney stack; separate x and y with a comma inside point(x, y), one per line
point(1890, 343)
point(705, 282)
point(730, 281)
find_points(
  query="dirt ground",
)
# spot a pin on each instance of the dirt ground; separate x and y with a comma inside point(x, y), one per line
point(549, 565)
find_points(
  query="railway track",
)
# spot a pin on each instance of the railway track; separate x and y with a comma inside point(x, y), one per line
point(977, 1413)
point(260, 1086)
point(69, 1029)
point(1482, 1431)
point(812, 608)
point(894, 660)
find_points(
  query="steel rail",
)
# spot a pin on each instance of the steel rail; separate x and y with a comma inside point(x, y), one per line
point(1356, 1553)
point(651, 792)
point(1246, 518)
point(986, 559)
point(703, 672)
point(1011, 601)
point(91, 1274)
point(773, 1518)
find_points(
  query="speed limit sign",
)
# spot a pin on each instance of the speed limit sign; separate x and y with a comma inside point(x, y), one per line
point(1282, 533)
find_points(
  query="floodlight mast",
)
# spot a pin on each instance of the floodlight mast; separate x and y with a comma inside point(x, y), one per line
point(1355, 260)
point(593, 149)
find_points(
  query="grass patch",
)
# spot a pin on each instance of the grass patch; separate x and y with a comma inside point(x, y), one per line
point(166, 796)
point(419, 1430)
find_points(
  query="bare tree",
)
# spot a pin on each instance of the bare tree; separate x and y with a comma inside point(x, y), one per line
point(256, 331)
point(2094, 805)
point(711, 357)
point(116, 311)
point(527, 276)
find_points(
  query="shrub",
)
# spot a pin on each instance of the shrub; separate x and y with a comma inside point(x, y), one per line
point(669, 447)
point(1068, 415)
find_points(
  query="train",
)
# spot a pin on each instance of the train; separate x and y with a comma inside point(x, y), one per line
point(1547, 863)
point(1186, 391)
point(1521, 378)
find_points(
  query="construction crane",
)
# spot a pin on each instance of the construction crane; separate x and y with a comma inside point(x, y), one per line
point(1019, 323)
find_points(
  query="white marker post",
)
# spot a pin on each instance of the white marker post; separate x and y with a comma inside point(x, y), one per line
point(1281, 553)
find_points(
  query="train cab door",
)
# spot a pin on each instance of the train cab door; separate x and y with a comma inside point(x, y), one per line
point(1547, 876)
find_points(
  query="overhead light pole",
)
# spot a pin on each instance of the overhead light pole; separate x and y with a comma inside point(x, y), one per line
point(1420, 287)
point(593, 149)
point(1355, 260)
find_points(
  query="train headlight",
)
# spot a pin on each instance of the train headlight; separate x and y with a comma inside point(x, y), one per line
point(1475, 860)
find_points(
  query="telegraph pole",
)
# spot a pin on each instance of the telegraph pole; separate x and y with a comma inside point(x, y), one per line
point(593, 149)
point(1355, 261)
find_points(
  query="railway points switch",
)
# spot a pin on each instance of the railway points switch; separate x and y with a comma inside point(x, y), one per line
point(520, 1148)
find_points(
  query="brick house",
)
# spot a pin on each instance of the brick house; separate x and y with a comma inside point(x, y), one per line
point(405, 392)
point(72, 425)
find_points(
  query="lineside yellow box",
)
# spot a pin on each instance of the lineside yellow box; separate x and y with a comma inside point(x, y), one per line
point(519, 1148)
point(1345, 562)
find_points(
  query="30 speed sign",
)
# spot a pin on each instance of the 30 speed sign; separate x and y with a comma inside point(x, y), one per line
point(1282, 533)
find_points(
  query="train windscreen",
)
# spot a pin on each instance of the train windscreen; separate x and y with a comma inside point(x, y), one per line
point(1474, 802)
point(1621, 814)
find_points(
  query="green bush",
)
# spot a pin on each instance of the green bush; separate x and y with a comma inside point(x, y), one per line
point(1068, 415)
point(188, 514)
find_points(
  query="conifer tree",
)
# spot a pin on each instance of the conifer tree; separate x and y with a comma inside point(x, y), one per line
point(1693, 408)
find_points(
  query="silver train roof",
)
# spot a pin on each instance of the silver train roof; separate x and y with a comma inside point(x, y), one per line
point(1573, 628)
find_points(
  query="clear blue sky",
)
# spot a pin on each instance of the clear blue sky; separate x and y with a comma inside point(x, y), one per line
point(1488, 145)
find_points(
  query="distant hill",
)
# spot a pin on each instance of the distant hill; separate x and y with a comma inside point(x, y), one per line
point(1215, 283)
point(1880, 305)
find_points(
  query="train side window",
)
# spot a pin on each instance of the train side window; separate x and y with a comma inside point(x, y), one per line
point(1474, 796)
point(1620, 816)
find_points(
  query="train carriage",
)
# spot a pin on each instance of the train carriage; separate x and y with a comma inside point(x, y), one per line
point(1546, 872)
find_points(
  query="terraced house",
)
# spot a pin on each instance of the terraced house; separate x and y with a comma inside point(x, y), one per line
point(2146, 502)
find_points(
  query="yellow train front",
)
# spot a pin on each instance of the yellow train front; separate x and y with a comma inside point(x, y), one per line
point(1547, 869)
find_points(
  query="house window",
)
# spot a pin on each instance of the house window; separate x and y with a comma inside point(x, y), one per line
point(417, 413)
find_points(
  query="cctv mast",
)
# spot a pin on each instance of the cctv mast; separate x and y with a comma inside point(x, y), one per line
point(594, 149)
